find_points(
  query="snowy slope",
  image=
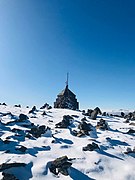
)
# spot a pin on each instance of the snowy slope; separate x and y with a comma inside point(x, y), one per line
point(109, 162)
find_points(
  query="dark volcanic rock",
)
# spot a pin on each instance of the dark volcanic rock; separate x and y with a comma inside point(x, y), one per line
point(91, 147)
point(60, 165)
point(23, 117)
point(50, 107)
point(104, 114)
point(132, 124)
point(129, 150)
point(4, 104)
point(44, 113)
point(89, 111)
point(67, 120)
point(7, 176)
point(126, 121)
point(122, 114)
point(33, 110)
point(75, 133)
point(84, 128)
point(131, 116)
point(17, 105)
point(102, 124)
point(47, 106)
point(37, 131)
point(131, 131)
point(95, 112)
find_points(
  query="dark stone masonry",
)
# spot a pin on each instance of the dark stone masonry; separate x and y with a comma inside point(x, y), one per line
point(66, 100)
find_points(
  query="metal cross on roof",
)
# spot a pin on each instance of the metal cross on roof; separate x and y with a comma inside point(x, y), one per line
point(67, 79)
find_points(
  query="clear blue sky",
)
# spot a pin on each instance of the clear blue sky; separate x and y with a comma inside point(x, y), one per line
point(93, 40)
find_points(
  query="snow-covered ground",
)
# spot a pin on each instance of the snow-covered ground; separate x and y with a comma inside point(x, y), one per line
point(109, 162)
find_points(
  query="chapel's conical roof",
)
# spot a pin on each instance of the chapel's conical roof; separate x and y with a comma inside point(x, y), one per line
point(66, 91)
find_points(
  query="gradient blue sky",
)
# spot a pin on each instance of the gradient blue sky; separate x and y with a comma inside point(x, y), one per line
point(93, 40)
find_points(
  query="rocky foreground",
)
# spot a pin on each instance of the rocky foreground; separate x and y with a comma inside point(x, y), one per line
point(57, 143)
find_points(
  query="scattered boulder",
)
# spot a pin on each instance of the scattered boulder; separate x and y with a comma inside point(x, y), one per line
point(50, 120)
point(67, 120)
point(95, 112)
point(102, 124)
point(129, 151)
point(33, 110)
point(44, 113)
point(133, 115)
point(37, 131)
point(132, 124)
point(88, 113)
point(84, 128)
point(60, 165)
point(75, 133)
point(4, 104)
point(130, 116)
point(7, 176)
point(122, 114)
point(83, 112)
point(23, 117)
point(126, 121)
point(17, 105)
point(104, 114)
point(47, 106)
point(50, 107)
point(30, 111)
point(33, 116)
point(131, 131)
point(91, 147)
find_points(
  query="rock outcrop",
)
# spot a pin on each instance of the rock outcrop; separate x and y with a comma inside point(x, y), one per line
point(67, 120)
point(91, 147)
point(60, 165)
point(102, 124)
